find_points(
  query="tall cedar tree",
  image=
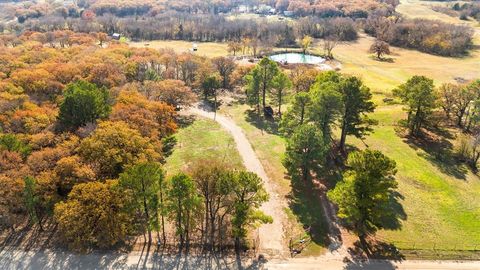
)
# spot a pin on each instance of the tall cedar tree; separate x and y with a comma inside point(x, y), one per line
point(420, 99)
point(143, 181)
point(249, 194)
point(363, 196)
point(357, 103)
point(281, 84)
point(183, 205)
point(296, 115)
point(83, 103)
point(31, 200)
point(306, 151)
point(261, 80)
point(326, 107)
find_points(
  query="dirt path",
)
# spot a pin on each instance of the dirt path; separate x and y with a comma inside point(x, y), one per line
point(271, 236)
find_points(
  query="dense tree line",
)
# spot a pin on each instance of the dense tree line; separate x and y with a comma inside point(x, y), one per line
point(124, 8)
point(175, 25)
point(85, 127)
point(465, 10)
point(212, 206)
point(198, 20)
point(429, 36)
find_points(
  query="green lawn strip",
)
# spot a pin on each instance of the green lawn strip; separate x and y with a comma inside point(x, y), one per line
point(203, 139)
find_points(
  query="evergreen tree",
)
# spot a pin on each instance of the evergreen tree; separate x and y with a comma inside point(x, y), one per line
point(83, 103)
point(143, 181)
point(356, 104)
point(306, 151)
point(363, 196)
point(420, 99)
point(31, 200)
point(183, 205)
point(249, 194)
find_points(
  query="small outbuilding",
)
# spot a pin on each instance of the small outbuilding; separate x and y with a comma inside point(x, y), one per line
point(116, 36)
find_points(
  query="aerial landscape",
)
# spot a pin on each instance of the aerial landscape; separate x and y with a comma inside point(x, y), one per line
point(239, 134)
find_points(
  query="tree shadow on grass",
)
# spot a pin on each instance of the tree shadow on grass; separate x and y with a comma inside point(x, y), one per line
point(435, 142)
point(394, 213)
point(305, 204)
point(269, 125)
point(379, 250)
point(382, 256)
point(184, 121)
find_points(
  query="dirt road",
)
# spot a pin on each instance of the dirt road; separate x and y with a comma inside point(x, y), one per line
point(61, 260)
point(271, 236)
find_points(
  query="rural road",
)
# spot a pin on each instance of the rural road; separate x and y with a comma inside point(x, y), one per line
point(271, 235)
point(62, 260)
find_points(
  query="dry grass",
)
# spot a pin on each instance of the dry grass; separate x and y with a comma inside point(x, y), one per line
point(423, 10)
point(382, 76)
point(208, 49)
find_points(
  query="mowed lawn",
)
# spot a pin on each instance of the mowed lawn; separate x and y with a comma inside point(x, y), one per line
point(202, 139)
point(440, 199)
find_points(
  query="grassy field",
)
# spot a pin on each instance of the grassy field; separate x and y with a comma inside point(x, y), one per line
point(383, 76)
point(202, 139)
point(423, 10)
point(440, 197)
point(208, 49)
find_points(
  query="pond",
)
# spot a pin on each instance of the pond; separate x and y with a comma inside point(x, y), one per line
point(297, 58)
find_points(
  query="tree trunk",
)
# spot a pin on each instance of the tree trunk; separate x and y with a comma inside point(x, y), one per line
point(305, 173)
point(215, 106)
point(302, 114)
point(147, 214)
point(187, 231)
point(180, 223)
point(264, 87)
point(364, 244)
point(212, 233)
point(237, 244)
point(164, 238)
point(280, 104)
point(40, 222)
point(343, 136)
